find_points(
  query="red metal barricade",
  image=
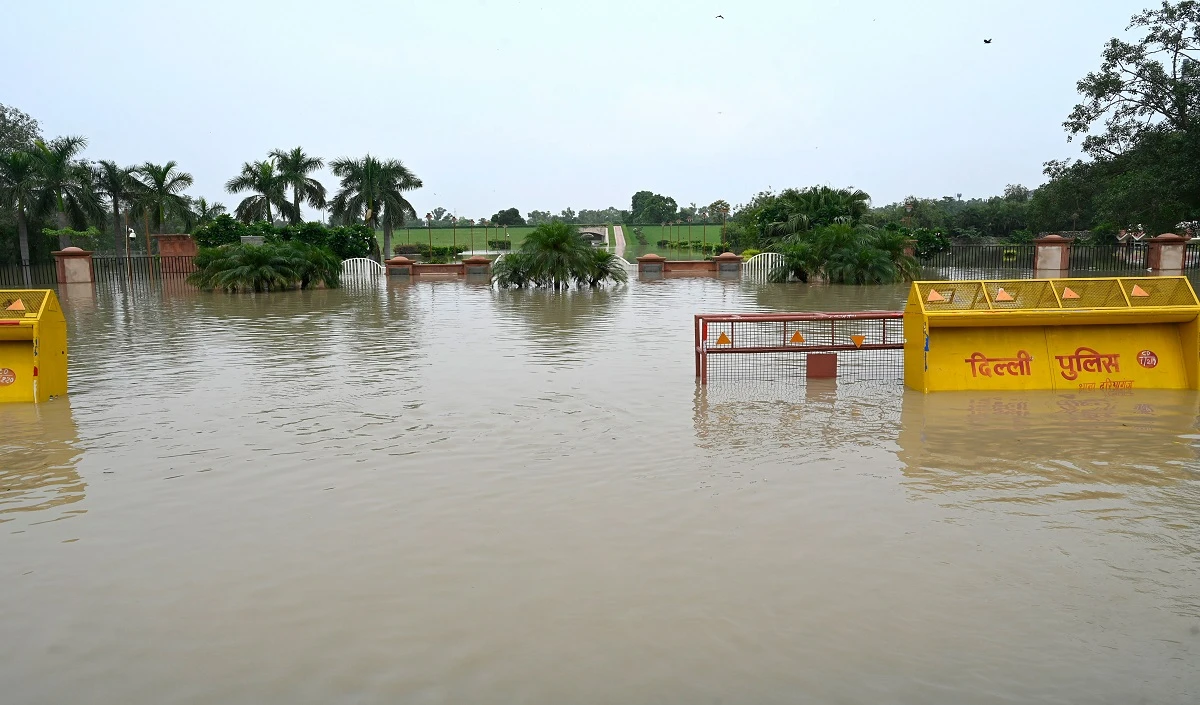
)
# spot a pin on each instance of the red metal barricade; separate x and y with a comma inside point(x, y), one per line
point(861, 345)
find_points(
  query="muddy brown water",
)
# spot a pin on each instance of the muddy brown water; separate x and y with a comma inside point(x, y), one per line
point(442, 493)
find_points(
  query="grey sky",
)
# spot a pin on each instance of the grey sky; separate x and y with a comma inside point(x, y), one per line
point(548, 105)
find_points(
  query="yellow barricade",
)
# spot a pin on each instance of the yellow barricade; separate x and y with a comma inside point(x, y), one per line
point(33, 346)
point(1077, 334)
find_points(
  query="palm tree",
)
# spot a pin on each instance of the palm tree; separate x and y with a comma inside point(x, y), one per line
point(374, 191)
point(115, 183)
point(161, 194)
point(269, 189)
point(204, 212)
point(295, 167)
point(66, 184)
point(19, 190)
point(554, 255)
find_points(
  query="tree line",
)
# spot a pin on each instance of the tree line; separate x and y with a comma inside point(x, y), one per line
point(47, 187)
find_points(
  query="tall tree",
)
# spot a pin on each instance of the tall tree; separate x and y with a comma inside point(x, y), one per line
point(295, 166)
point(268, 190)
point(162, 187)
point(18, 131)
point(19, 190)
point(204, 212)
point(115, 182)
point(66, 184)
point(373, 190)
point(1146, 86)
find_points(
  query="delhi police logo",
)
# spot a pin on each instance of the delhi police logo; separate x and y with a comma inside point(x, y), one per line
point(7, 376)
point(1147, 359)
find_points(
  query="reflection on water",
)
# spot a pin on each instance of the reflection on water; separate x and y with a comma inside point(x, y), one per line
point(38, 454)
point(439, 492)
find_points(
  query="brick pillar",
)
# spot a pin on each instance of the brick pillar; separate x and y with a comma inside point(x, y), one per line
point(74, 266)
point(1165, 255)
point(1051, 257)
point(477, 266)
point(650, 264)
point(728, 263)
point(399, 266)
point(176, 251)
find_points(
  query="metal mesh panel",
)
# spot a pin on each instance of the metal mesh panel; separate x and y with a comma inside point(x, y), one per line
point(1090, 293)
point(31, 303)
point(953, 296)
point(1018, 294)
point(802, 334)
point(1158, 291)
point(770, 347)
point(871, 365)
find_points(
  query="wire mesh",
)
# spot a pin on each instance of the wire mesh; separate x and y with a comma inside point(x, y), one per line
point(867, 346)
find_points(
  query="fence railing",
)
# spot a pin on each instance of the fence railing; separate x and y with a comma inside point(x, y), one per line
point(35, 276)
point(982, 257)
point(112, 268)
point(1109, 258)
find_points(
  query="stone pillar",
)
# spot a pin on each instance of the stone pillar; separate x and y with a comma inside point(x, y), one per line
point(650, 264)
point(1051, 257)
point(1165, 255)
point(74, 266)
point(728, 263)
point(399, 266)
point(477, 266)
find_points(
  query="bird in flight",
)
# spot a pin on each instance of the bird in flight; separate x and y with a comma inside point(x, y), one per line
point(987, 41)
point(720, 17)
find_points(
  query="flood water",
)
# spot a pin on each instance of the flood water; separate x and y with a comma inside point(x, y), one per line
point(442, 493)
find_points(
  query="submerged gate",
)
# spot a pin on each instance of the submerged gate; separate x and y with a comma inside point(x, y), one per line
point(857, 346)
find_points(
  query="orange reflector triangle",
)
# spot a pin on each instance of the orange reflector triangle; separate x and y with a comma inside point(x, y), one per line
point(17, 305)
point(797, 338)
point(858, 340)
point(1138, 291)
point(935, 297)
point(1003, 295)
point(1068, 294)
point(723, 340)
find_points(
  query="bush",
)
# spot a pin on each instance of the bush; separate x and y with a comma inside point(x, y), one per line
point(223, 230)
point(270, 267)
point(750, 252)
point(406, 249)
point(499, 244)
point(930, 243)
point(665, 243)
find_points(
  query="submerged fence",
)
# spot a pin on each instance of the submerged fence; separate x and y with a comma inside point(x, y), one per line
point(858, 346)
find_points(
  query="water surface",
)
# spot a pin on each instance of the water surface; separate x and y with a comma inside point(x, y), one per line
point(443, 493)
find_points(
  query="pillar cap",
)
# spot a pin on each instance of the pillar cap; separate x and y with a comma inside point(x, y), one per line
point(727, 255)
point(72, 252)
point(651, 257)
point(477, 259)
point(399, 261)
point(1168, 237)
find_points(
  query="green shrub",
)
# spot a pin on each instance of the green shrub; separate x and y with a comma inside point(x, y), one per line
point(499, 244)
point(223, 230)
point(930, 243)
point(270, 267)
point(750, 252)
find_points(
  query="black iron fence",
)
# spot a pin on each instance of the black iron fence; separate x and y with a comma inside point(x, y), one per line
point(982, 257)
point(35, 276)
point(110, 268)
point(1125, 257)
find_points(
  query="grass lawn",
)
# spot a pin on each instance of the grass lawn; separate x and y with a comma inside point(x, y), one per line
point(654, 233)
point(445, 237)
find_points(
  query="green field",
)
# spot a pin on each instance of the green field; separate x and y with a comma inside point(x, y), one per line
point(674, 233)
point(446, 237)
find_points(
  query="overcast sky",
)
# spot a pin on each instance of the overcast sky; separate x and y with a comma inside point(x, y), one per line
point(545, 105)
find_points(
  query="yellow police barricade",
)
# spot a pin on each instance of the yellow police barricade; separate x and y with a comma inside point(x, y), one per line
point(1077, 334)
point(33, 346)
